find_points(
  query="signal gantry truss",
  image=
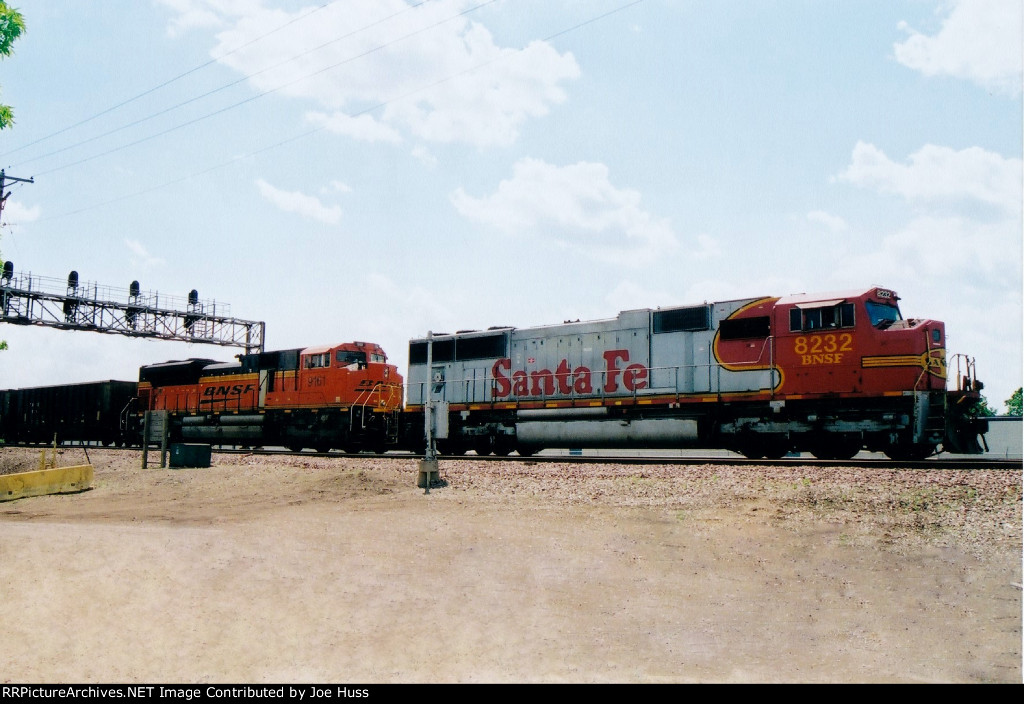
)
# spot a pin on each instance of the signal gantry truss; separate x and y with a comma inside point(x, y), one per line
point(36, 300)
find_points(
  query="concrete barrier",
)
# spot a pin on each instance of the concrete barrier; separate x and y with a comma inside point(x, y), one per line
point(59, 480)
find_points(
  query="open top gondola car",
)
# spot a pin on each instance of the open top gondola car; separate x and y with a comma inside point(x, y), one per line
point(830, 374)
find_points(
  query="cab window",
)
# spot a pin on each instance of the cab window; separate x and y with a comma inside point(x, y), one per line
point(318, 361)
point(882, 314)
point(821, 318)
point(347, 357)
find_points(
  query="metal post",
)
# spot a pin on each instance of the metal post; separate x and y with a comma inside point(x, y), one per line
point(145, 439)
point(428, 465)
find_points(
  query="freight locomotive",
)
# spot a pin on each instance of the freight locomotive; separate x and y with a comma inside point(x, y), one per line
point(341, 397)
point(829, 374)
point(345, 397)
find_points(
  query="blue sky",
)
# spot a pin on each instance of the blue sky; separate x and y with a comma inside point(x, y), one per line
point(374, 169)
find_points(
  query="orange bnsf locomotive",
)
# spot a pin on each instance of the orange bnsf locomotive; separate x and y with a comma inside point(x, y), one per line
point(344, 397)
point(829, 374)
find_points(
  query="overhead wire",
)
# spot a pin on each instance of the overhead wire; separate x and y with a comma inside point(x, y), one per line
point(164, 84)
point(251, 98)
point(210, 92)
point(314, 130)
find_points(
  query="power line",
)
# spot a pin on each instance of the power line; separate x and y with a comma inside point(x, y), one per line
point(219, 89)
point(316, 130)
point(266, 92)
point(164, 84)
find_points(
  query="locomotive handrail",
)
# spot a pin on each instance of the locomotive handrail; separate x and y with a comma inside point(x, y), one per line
point(125, 414)
point(966, 378)
point(363, 400)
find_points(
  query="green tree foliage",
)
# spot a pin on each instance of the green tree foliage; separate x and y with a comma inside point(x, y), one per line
point(982, 409)
point(1013, 404)
point(12, 26)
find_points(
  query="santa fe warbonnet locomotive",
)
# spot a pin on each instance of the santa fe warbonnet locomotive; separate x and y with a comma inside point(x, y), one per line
point(830, 374)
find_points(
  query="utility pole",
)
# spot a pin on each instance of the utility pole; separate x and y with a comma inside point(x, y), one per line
point(4, 178)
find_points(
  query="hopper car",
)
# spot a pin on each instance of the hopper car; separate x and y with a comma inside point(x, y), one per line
point(100, 411)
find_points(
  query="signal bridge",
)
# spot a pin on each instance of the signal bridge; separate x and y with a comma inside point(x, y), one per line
point(73, 305)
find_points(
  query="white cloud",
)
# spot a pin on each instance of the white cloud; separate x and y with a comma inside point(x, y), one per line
point(984, 255)
point(426, 70)
point(939, 173)
point(16, 213)
point(576, 204)
point(833, 222)
point(980, 40)
point(299, 203)
point(628, 295)
point(140, 255)
point(204, 14)
point(424, 155)
point(363, 127)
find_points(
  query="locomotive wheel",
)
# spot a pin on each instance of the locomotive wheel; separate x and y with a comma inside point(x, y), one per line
point(526, 450)
point(771, 448)
point(839, 447)
point(323, 449)
point(503, 446)
point(833, 453)
point(295, 448)
point(482, 446)
point(450, 447)
point(774, 450)
point(909, 452)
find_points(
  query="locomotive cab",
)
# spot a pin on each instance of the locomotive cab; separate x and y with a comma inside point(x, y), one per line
point(354, 373)
point(868, 376)
point(857, 342)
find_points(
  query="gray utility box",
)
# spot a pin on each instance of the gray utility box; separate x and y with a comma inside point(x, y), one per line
point(189, 455)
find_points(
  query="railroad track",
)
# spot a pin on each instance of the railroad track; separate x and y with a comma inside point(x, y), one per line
point(873, 461)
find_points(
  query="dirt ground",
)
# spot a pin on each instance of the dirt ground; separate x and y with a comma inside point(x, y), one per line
point(312, 569)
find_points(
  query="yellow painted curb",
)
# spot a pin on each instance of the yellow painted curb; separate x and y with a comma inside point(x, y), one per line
point(60, 480)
